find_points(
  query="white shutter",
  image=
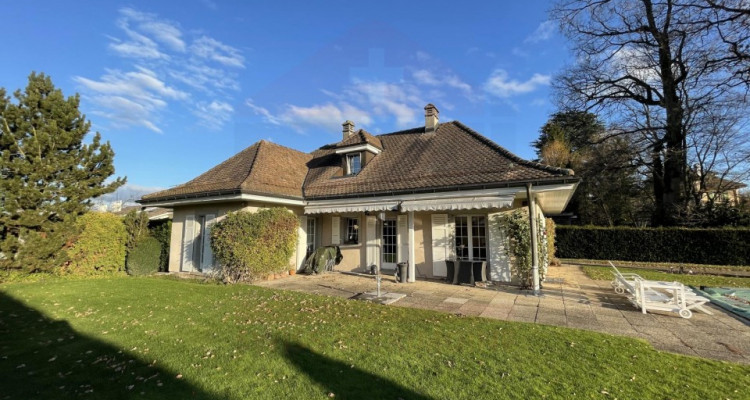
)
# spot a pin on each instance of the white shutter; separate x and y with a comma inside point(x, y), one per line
point(372, 241)
point(403, 238)
point(207, 260)
point(440, 244)
point(301, 241)
point(188, 237)
point(499, 263)
point(335, 230)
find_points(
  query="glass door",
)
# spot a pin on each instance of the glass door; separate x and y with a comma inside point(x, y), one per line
point(390, 242)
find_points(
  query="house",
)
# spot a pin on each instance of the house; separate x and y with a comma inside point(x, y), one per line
point(422, 196)
point(709, 187)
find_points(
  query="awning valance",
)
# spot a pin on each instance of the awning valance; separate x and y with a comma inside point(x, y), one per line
point(455, 204)
point(351, 207)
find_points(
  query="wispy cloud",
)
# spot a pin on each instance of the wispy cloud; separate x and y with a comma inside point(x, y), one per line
point(213, 49)
point(131, 97)
point(500, 85)
point(328, 116)
point(168, 67)
point(427, 77)
point(543, 32)
point(213, 115)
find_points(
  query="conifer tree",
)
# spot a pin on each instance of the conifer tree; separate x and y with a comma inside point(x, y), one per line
point(48, 174)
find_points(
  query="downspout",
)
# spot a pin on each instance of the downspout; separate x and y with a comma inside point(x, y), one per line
point(534, 240)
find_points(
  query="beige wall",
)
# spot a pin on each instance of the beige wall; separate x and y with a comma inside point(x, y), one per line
point(221, 209)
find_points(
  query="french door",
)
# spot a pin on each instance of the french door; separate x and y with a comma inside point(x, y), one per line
point(471, 237)
point(390, 244)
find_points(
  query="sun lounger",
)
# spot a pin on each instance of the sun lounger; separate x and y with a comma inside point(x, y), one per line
point(657, 295)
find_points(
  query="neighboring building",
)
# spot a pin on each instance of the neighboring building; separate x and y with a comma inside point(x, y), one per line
point(154, 213)
point(438, 188)
point(710, 187)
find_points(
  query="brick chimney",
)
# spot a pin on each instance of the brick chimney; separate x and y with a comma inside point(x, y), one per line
point(348, 129)
point(431, 119)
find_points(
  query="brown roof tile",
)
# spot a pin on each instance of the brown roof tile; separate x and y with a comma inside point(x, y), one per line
point(361, 137)
point(454, 155)
point(263, 168)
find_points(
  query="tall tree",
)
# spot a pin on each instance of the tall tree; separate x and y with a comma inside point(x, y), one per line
point(646, 65)
point(48, 173)
point(605, 196)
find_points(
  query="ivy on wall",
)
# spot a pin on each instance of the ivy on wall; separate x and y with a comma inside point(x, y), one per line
point(515, 224)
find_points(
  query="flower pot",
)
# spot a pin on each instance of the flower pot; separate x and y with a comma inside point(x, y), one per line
point(292, 272)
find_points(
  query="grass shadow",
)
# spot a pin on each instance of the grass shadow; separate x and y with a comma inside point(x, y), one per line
point(43, 358)
point(342, 380)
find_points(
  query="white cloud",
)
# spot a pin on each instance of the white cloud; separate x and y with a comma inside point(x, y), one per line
point(426, 77)
point(209, 48)
point(328, 116)
point(131, 98)
point(215, 114)
point(543, 32)
point(500, 85)
point(263, 112)
point(169, 67)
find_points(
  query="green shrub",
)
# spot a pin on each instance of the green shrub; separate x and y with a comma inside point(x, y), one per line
point(99, 248)
point(162, 231)
point(144, 258)
point(677, 245)
point(550, 231)
point(515, 225)
point(248, 246)
point(136, 224)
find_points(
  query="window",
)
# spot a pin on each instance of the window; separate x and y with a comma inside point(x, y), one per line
point(311, 225)
point(353, 164)
point(390, 239)
point(471, 238)
point(351, 231)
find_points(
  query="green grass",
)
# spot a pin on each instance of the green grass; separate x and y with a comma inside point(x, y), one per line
point(605, 273)
point(698, 268)
point(161, 338)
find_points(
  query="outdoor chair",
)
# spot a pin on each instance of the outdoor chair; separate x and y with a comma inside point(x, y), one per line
point(480, 271)
point(465, 273)
point(450, 275)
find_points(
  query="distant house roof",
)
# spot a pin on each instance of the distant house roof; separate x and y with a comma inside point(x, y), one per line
point(411, 160)
point(713, 182)
point(453, 157)
point(263, 168)
point(154, 213)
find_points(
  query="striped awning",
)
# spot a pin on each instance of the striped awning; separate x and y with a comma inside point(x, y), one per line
point(351, 207)
point(457, 204)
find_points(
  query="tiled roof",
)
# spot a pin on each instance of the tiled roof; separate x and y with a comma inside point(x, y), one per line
point(453, 156)
point(263, 168)
point(361, 137)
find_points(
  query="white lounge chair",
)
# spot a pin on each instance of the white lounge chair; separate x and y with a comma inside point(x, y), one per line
point(657, 295)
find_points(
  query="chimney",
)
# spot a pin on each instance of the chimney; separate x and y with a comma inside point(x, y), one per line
point(348, 129)
point(430, 118)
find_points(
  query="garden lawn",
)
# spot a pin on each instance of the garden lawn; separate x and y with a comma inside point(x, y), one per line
point(605, 273)
point(165, 338)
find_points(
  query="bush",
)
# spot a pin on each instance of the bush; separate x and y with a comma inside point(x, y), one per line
point(99, 248)
point(136, 224)
point(144, 258)
point(550, 231)
point(162, 231)
point(517, 229)
point(676, 245)
point(248, 246)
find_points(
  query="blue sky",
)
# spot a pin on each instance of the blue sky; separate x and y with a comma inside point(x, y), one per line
point(178, 87)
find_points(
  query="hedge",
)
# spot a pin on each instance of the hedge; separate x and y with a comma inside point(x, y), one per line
point(144, 258)
point(100, 246)
point(676, 245)
point(248, 246)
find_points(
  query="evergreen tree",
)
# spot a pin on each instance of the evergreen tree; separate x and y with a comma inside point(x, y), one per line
point(48, 176)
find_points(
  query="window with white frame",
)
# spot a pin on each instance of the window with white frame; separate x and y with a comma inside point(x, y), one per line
point(350, 230)
point(471, 237)
point(353, 164)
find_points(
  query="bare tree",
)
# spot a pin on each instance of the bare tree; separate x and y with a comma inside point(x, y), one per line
point(647, 66)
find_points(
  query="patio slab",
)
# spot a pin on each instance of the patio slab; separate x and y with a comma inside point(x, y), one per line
point(569, 299)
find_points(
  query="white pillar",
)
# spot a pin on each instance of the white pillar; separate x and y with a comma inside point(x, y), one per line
point(412, 266)
point(534, 239)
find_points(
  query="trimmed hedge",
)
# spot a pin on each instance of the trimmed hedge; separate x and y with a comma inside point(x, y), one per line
point(249, 246)
point(676, 245)
point(100, 246)
point(144, 258)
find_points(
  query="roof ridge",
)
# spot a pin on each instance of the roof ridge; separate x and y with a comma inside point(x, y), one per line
point(502, 150)
point(252, 163)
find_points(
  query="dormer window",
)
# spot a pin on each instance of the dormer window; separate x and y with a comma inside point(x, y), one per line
point(353, 163)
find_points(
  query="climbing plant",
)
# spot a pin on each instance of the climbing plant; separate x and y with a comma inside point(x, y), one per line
point(517, 229)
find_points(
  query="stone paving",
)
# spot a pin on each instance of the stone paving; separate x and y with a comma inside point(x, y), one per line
point(569, 299)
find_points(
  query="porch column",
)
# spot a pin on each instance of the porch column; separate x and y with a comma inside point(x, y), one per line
point(412, 266)
point(534, 239)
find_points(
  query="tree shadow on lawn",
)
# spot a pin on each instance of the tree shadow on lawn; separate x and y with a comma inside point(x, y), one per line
point(42, 358)
point(342, 380)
